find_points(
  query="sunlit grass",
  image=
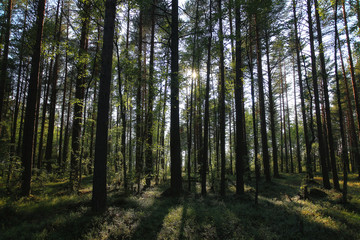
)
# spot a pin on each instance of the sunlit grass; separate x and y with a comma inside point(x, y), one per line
point(53, 213)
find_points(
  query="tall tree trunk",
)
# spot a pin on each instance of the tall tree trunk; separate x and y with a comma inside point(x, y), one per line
point(352, 71)
point(79, 97)
point(327, 103)
point(43, 117)
point(123, 118)
point(149, 124)
point(222, 103)
point(4, 62)
point(162, 135)
point(284, 122)
point(18, 87)
point(344, 149)
point(60, 156)
point(99, 179)
point(351, 123)
point(272, 109)
point(322, 153)
point(67, 133)
point(189, 137)
point(256, 142)
point(55, 74)
point(175, 146)
point(289, 126)
point(239, 98)
point(29, 125)
point(302, 98)
point(139, 125)
point(19, 146)
point(264, 141)
point(298, 155)
point(205, 157)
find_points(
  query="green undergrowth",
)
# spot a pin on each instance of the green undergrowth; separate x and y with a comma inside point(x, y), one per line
point(53, 213)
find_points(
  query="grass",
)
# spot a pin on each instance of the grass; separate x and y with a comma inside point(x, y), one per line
point(53, 213)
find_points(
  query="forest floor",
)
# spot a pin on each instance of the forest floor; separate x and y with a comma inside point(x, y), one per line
point(52, 213)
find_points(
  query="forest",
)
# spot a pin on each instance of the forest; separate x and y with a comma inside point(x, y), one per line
point(191, 119)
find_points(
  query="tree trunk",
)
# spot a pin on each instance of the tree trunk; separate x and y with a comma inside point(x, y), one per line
point(29, 125)
point(344, 152)
point(302, 98)
point(256, 142)
point(4, 62)
point(284, 122)
point(272, 109)
point(43, 117)
point(175, 146)
point(327, 103)
point(139, 124)
point(55, 74)
point(60, 156)
point(205, 157)
point(222, 104)
point(298, 155)
point(264, 141)
point(149, 124)
point(289, 126)
point(322, 153)
point(239, 98)
point(352, 71)
point(79, 97)
point(99, 179)
point(18, 86)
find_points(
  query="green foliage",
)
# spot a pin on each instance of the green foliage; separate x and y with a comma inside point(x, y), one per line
point(53, 213)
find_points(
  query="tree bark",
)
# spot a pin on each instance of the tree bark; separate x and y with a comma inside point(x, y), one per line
point(272, 109)
point(4, 62)
point(239, 98)
point(264, 141)
point(222, 104)
point(344, 149)
point(302, 98)
point(29, 125)
point(175, 149)
point(324, 76)
point(205, 157)
point(99, 179)
point(352, 72)
point(55, 74)
point(322, 153)
point(79, 97)
point(149, 124)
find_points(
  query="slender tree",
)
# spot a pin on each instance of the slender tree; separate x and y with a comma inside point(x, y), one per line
point(99, 179)
point(239, 98)
point(344, 149)
point(352, 71)
point(264, 141)
point(29, 125)
point(207, 111)
point(175, 150)
point(149, 123)
point(55, 75)
point(4, 60)
point(271, 109)
point(79, 96)
point(322, 153)
point(324, 77)
point(302, 98)
point(222, 103)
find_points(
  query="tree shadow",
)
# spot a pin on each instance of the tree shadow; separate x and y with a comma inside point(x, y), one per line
point(151, 224)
